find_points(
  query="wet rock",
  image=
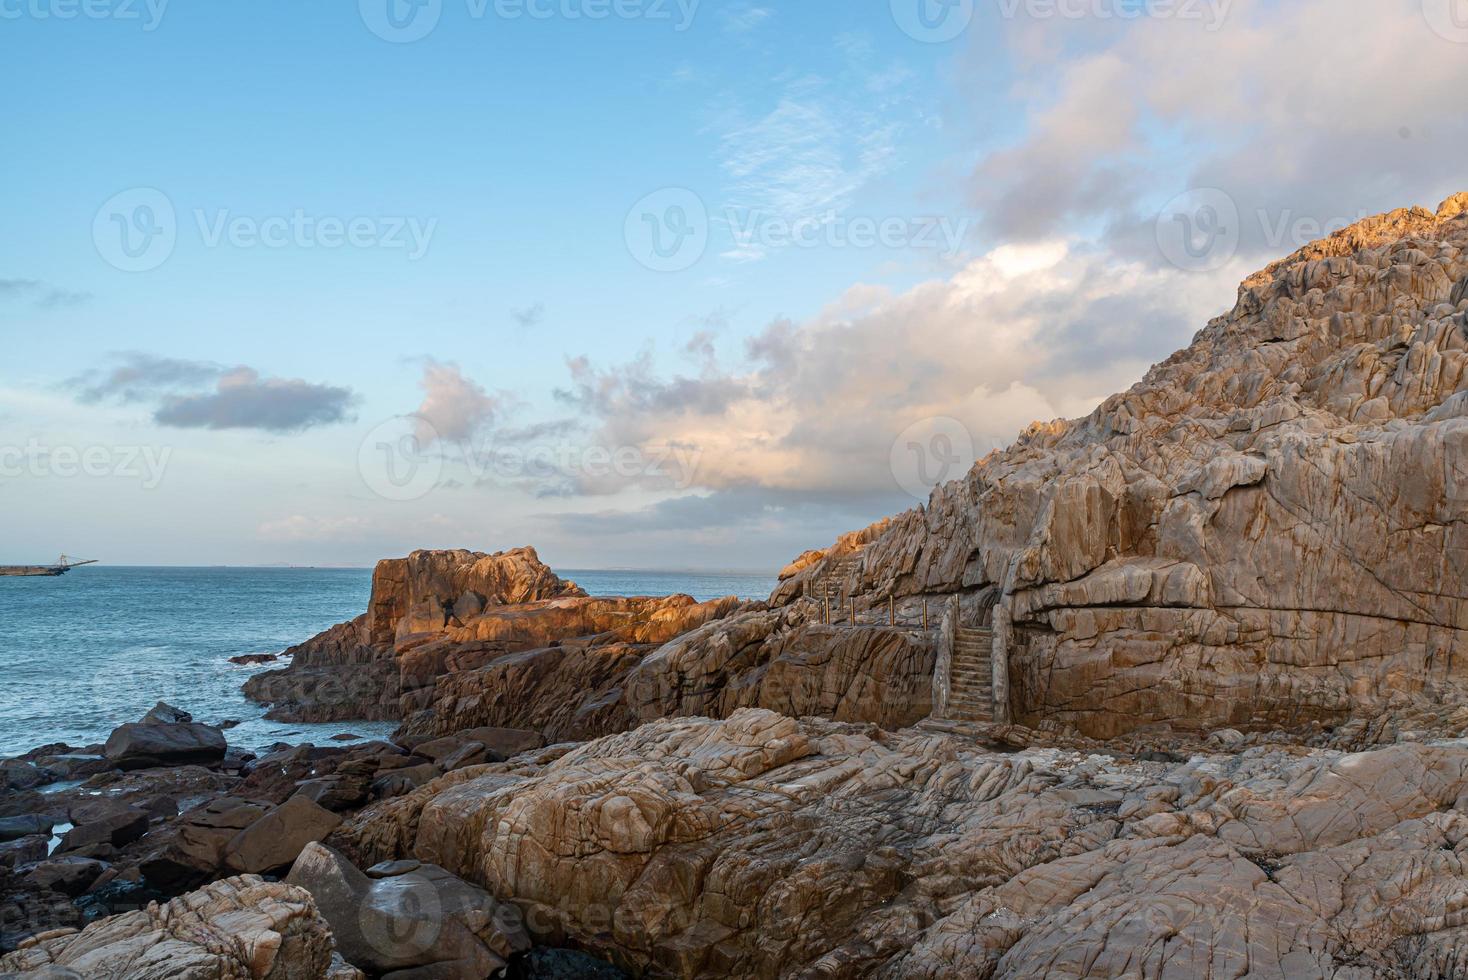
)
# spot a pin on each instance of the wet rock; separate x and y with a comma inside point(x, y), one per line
point(16, 774)
point(421, 918)
point(545, 963)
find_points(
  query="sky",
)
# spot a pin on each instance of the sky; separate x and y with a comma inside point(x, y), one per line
point(642, 283)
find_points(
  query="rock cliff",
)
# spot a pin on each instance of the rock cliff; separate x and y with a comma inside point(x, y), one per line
point(1268, 530)
point(351, 670)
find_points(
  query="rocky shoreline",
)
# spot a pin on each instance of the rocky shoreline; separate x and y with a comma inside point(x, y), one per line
point(1213, 718)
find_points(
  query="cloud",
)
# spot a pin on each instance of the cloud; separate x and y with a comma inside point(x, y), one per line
point(301, 528)
point(41, 294)
point(244, 400)
point(454, 408)
point(530, 316)
point(741, 18)
point(204, 395)
point(1117, 120)
point(143, 377)
point(1022, 333)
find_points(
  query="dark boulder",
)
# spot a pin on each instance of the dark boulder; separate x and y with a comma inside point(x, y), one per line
point(276, 839)
point(67, 875)
point(410, 917)
point(143, 746)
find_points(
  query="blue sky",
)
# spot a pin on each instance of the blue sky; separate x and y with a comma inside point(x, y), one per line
point(1015, 168)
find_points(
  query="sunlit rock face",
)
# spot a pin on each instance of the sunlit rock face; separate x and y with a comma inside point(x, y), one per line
point(1268, 530)
point(762, 846)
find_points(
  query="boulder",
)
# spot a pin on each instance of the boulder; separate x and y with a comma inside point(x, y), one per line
point(17, 774)
point(193, 848)
point(410, 917)
point(142, 746)
point(396, 782)
point(164, 713)
point(24, 825)
point(277, 838)
point(68, 875)
point(240, 927)
point(24, 850)
point(117, 826)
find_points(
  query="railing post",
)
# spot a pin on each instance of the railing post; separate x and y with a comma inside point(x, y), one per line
point(999, 660)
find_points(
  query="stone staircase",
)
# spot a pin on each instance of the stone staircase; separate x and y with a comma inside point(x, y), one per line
point(971, 676)
point(830, 585)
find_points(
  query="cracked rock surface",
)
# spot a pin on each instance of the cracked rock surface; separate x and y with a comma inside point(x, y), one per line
point(764, 846)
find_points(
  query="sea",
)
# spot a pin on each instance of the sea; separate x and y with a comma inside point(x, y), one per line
point(99, 646)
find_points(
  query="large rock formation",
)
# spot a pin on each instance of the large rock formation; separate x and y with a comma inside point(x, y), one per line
point(1268, 530)
point(763, 846)
point(351, 670)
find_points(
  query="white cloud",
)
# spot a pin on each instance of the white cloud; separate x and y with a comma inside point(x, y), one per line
point(455, 408)
point(1306, 113)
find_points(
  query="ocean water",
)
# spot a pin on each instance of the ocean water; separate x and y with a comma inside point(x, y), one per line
point(99, 646)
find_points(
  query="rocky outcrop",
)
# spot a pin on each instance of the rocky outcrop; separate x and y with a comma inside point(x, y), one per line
point(778, 659)
point(1267, 530)
point(556, 668)
point(351, 670)
point(238, 927)
point(763, 846)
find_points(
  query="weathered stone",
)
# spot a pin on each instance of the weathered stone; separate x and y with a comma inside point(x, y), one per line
point(410, 917)
point(13, 828)
point(68, 875)
point(117, 826)
point(1266, 531)
point(140, 746)
point(238, 927)
point(276, 839)
point(762, 846)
